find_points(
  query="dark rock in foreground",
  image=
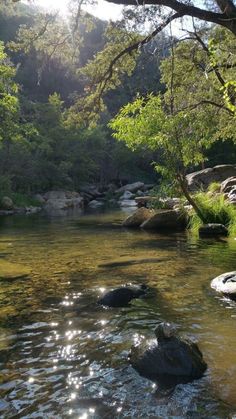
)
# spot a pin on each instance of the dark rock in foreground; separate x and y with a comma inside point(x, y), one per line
point(226, 284)
point(212, 230)
point(168, 360)
point(120, 297)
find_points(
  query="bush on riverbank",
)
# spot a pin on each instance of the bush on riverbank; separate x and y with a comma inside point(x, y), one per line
point(20, 200)
point(215, 210)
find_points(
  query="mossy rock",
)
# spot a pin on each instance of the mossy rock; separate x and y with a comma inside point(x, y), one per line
point(10, 271)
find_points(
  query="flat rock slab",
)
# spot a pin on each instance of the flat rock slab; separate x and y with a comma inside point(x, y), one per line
point(10, 271)
point(212, 230)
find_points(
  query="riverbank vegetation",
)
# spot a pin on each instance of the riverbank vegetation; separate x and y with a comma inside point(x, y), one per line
point(216, 210)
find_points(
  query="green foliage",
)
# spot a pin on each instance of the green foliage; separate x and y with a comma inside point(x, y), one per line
point(204, 67)
point(22, 200)
point(8, 98)
point(145, 123)
point(5, 186)
point(214, 187)
point(216, 210)
point(47, 138)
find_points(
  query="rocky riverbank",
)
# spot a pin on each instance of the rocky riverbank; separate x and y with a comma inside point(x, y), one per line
point(133, 196)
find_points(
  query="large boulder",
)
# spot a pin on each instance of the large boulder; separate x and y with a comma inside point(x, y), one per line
point(232, 195)
point(228, 184)
point(55, 195)
point(165, 220)
point(132, 187)
point(212, 230)
point(95, 204)
point(138, 217)
point(91, 190)
point(226, 284)
point(6, 203)
point(168, 360)
point(203, 178)
point(126, 195)
point(56, 201)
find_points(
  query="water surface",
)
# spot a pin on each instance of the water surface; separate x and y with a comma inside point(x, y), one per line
point(63, 356)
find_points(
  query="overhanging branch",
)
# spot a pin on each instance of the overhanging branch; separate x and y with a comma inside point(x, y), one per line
point(226, 19)
point(134, 47)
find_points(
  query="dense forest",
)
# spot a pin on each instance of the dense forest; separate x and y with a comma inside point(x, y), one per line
point(50, 138)
point(42, 145)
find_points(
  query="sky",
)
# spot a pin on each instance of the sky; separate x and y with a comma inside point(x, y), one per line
point(103, 10)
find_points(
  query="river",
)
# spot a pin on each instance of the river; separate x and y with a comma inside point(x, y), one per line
point(64, 356)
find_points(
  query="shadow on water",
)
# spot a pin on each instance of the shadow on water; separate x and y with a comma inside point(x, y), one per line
point(62, 355)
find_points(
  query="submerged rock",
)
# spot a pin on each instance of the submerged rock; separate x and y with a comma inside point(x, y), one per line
point(226, 284)
point(138, 217)
point(11, 271)
point(168, 360)
point(212, 230)
point(120, 297)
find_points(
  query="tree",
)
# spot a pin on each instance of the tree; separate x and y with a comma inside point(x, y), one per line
point(13, 133)
point(183, 126)
point(200, 76)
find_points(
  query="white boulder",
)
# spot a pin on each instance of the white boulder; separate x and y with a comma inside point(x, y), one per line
point(225, 283)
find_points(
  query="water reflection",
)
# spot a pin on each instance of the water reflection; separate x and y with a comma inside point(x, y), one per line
point(62, 355)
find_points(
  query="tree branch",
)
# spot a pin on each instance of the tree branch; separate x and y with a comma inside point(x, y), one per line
point(134, 47)
point(207, 102)
point(227, 20)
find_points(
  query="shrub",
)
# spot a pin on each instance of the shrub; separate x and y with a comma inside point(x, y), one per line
point(215, 210)
point(214, 187)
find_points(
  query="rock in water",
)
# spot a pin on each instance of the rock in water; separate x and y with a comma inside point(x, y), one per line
point(168, 360)
point(138, 217)
point(166, 220)
point(11, 271)
point(226, 284)
point(212, 230)
point(120, 297)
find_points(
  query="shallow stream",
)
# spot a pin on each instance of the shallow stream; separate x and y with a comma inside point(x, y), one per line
point(63, 356)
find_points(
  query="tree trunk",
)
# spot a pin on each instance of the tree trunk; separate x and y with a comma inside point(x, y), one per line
point(183, 184)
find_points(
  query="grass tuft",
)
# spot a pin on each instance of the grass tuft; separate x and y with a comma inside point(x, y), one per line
point(215, 210)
